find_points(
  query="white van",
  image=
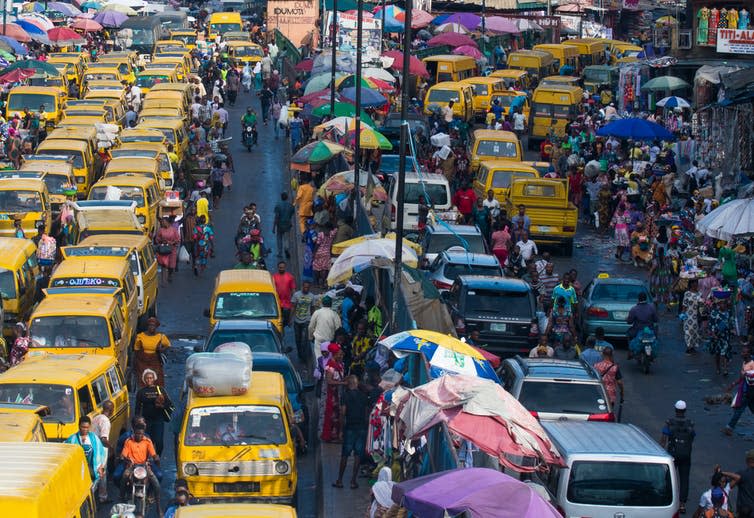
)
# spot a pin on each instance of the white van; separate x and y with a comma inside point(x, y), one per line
point(436, 191)
point(611, 470)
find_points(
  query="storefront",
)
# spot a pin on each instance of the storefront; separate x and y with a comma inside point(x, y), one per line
point(722, 28)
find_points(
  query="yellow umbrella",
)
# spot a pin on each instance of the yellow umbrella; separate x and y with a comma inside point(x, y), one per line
point(667, 20)
point(446, 341)
point(370, 138)
point(120, 8)
point(339, 248)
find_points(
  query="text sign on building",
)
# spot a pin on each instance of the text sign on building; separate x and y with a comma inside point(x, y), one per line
point(735, 41)
point(294, 18)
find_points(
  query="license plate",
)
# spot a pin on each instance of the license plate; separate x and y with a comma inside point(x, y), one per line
point(620, 315)
point(544, 229)
point(648, 350)
point(498, 328)
point(237, 487)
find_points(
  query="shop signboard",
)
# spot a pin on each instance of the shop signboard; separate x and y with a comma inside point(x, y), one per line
point(735, 41)
point(295, 19)
point(371, 33)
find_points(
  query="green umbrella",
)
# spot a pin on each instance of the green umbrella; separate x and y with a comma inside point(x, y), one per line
point(317, 152)
point(665, 83)
point(320, 82)
point(343, 110)
point(36, 65)
point(7, 56)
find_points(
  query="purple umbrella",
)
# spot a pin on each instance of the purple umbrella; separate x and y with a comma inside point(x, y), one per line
point(110, 18)
point(477, 491)
point(501, 25)
point(468, 50)
point(452, 39)
point(469, 20)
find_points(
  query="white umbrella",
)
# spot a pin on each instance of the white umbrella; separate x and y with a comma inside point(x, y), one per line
point(451, 27)
point(378, 73)
point(359, 256)
point(673, 102)
point(733, 219)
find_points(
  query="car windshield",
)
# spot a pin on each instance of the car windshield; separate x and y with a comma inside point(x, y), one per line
point(57, 183)
point(562, 398)
point(148, 81)
point(20, 201)
point(248, 51)
point(246, 305)
point(225, 27)
point(258, 340)
point(19, 101)
point(78, 156)
point(452, 271)
point(502, 179)
point(517, 304)
point(241, 424)
point(620, 484)
point(628, 293)
point(443, 96)
point(597, 76)
point(440, 242)
point(389, 164)
point(7, 284)
point(504, 100)
point(59, 399)
point(69, 331)
point(119, 192)
point(497, 148)
point(436, 193)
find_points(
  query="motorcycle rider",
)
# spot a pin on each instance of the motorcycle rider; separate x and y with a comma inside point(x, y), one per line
point(642, 315)
point(249, 119)
point(137, 450)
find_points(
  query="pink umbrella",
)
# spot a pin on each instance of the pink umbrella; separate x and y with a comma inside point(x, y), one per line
point(85, 25)
point(17, 75)
point(419, 18)
point(468, 50)
point(416, 67)
point(500, 25)
point(64, 36)
point(15, 31)
point(452, 39)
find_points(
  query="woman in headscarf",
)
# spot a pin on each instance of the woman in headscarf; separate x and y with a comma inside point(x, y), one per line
point(720, 326)
point(148, 348)
point(334, 375)
point(153, 404)
point(168, 239)
point(620, 223)
point(382, 491)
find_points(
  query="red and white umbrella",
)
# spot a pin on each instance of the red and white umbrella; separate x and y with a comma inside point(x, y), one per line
point(15, 31)
point(64, 36)
point(85, 25)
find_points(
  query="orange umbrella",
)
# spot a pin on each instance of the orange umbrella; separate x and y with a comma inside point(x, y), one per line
point(15, 31)
point(85, 25)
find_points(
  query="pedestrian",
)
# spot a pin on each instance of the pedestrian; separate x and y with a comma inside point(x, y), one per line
point(285, 286)
point(265, 99)
point(148, 349)
point(303, 304)
point(620, 222)
point(521, 218)
point(565, 350)
point(719, 489)
point(744, 396)
point(296, 130)
point(20, 344)
point(354, 409)
point(216, 177)
point(310, 245)
point(332, 430)
point(323, 254)
point(500, 242)
point(304, 202)
point(246, 77)
point(589, 354)
point(203, 237)
point(95, 453)
point(720, 327)
point(527, 247)
point(374, 317)
point(661, 278)
point(101, 427)
point(542, 349)
point(167, 239)
point(282, 224)
point(154, 405)
point(275, 111)
point(323, 324)
point(232, 86)
point(612, 378)
point(566, 290)
point(678, 438)
point(464, 200)
point(361, 345)
point(560, 321)
point(691, 305)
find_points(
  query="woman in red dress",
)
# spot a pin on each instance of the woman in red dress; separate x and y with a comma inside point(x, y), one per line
point(334, 374)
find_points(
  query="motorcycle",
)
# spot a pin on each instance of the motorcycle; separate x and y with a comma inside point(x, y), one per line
point(139, 488)
point(644, 348)
point(249, 136)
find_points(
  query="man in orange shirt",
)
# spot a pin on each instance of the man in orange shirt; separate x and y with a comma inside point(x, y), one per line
point(139, 449)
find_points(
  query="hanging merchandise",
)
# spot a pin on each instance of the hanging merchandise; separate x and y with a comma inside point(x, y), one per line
point(702, 26)
point(743, 19)
point(714, 19)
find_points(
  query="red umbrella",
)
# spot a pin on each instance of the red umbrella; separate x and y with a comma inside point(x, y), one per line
point(15, 31)
point(85, 25)
point(452, 39)
point(313, 96)
point(415, 66)
point(304, 66)
point(64, 36)
point(494, 359)
point(468, 50)
point(16, 75)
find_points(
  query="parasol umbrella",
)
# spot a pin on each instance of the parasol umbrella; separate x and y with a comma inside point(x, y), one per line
point(6, 57)
point(41, 67)
point(342, 124)
point(33, 7)
point(494, 359)
point(304, 66)
point(732, 219)
point(424, 35)
point(85, 25)
point(319, 94)
point(350, 80)
point(500, 25)
point(469, 20)
point(110, 18)
point(64, 8)
point(370, 98)
point(415, 66)
point(16, 75)
point(639, 129)
point(444, 353)
point(378, 73)
point(343, 110)
point(451, 27)
point(357, 257)
point(370, 138)
point(673, 102)
point(419, 18)
point(63, 36)
point(13, 46)
point(320, 82)
point(40, 20)
point(317, 152)
point(473, 492)
point(468, 50)
point(15, 31)
point(665, 83)
point(119, 8)
point(134, 4)
point(339, 248)
point(452, 39)
point(95, 6)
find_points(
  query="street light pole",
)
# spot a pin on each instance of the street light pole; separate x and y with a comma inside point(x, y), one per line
point(405, 79)
point(382, 33)
point(333, 42)
point(357, 125)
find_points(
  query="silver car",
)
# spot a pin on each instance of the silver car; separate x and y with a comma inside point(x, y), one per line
point(606, 303)
point(449, 264)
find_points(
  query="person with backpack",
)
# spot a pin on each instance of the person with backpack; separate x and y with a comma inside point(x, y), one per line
point(717, 510)
point(678, 437)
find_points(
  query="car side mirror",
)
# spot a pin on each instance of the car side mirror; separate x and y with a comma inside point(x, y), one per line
point(206, 312)
point(308, 387)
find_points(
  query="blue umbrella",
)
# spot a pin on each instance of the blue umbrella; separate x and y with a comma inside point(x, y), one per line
point(370, 98)
point(673, 102)
point(391, 24)
point(90, 5)
point(17, 48)
point(639, 129)
point(63, 8)
point(34, 32)
point(439, 20)
point(110, 18)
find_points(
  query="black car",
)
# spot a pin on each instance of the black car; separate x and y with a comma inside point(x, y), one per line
point(503, 310)
point(391, 127)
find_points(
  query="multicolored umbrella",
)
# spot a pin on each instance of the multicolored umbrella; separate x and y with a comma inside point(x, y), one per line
point(34, 32)
point(369, 138)
point(110, 18)
point(343, 110)
point(350, 80)
point(419, 18)
point(320, 82)
point(64, 8)
point(444, 353)
point(451, 27)
point(357, 257)
point(468, 50)
point(674, 102)
point(16, 75)
point(342, 124)
point(416, 67)
point(370, 98)
point(317, 152)
point(15, 31)
point(63, 36)
point(13, 46)
point(85, 25)
point(40, 20)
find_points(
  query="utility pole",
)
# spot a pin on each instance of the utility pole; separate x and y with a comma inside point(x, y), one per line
point(405, 79)
point(333, 42)
point(382, 32)
point(357, 125)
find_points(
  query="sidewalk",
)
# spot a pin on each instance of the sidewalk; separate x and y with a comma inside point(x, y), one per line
point(339, 502)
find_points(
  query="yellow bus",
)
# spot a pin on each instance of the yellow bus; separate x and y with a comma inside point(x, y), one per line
point(552, 108)
point(561, 54)
point(536, 62)
point(591, 50)
point(449, 67)
point(220, 23)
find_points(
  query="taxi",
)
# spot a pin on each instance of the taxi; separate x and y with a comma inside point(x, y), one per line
point(85, 119)
point(122, 63)
point(145, 192)
point(513, 98)
point(182, 60)
point(236, 510)
point(27, 201)
point(19, 271)
point(116, 109)
point(22, 423)
point(165, 99)
point(108, 94)
point(484, 89)
point(79, 133)
point(185, 36)
point(135, 166)
point(184, 89)
point(493, 144)
point(84, 168)
point(102, 72)
point(440, 95)
point(35, 97)
point(518, 79)
point(244, 36)
point(96, 218)
point(175, 133)
point(153, 150)
point(164, 45)
point(56, 174)
point(59, 81)
point(150, 77)
point(75, 65)
point(136, 135)
point(247, 295)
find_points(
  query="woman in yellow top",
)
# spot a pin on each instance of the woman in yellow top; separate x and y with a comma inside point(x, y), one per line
point(148, 347)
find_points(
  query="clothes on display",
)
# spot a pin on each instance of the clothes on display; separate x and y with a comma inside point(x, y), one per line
point(722, 23)
point(709, 20)
point(702, 26)
point(714, 19)
point(743, 19)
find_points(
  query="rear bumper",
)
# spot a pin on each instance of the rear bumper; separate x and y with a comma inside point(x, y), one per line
point(613, 328)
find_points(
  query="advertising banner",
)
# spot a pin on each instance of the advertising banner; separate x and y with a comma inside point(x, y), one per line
point(294, 18)
point(735, 41)
point(371, 33)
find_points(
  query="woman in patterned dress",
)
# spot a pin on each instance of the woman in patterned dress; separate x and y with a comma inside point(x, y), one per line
point(620, 222)
point(720, 325)
point(692, 301)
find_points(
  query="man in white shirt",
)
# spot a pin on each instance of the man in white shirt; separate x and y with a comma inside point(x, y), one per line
point(528, 247)
point(101, 428)
point(447, 113)
point(196, 107)
point(519, 123)
point(322, 325)
point(492, 204)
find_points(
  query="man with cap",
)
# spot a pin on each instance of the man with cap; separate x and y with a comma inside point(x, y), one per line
point(323, 324)
point(744, 480)
point(678, 437)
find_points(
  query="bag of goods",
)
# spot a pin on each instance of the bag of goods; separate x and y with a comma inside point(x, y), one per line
point(218, 374)
point(240, 349)
point(440, 139)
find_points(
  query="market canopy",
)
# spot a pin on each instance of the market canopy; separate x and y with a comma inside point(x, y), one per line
point(730, 220)
point(343, 110)
point(360, 256)
point(635, 128)
point(370, 98)
point(673, 102)
point(34, 64)
point(416, 67)
point(665, 83)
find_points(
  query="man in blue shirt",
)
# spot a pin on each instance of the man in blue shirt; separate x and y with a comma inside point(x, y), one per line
point(497, 109)
point(590, 354)
point(600, 344)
